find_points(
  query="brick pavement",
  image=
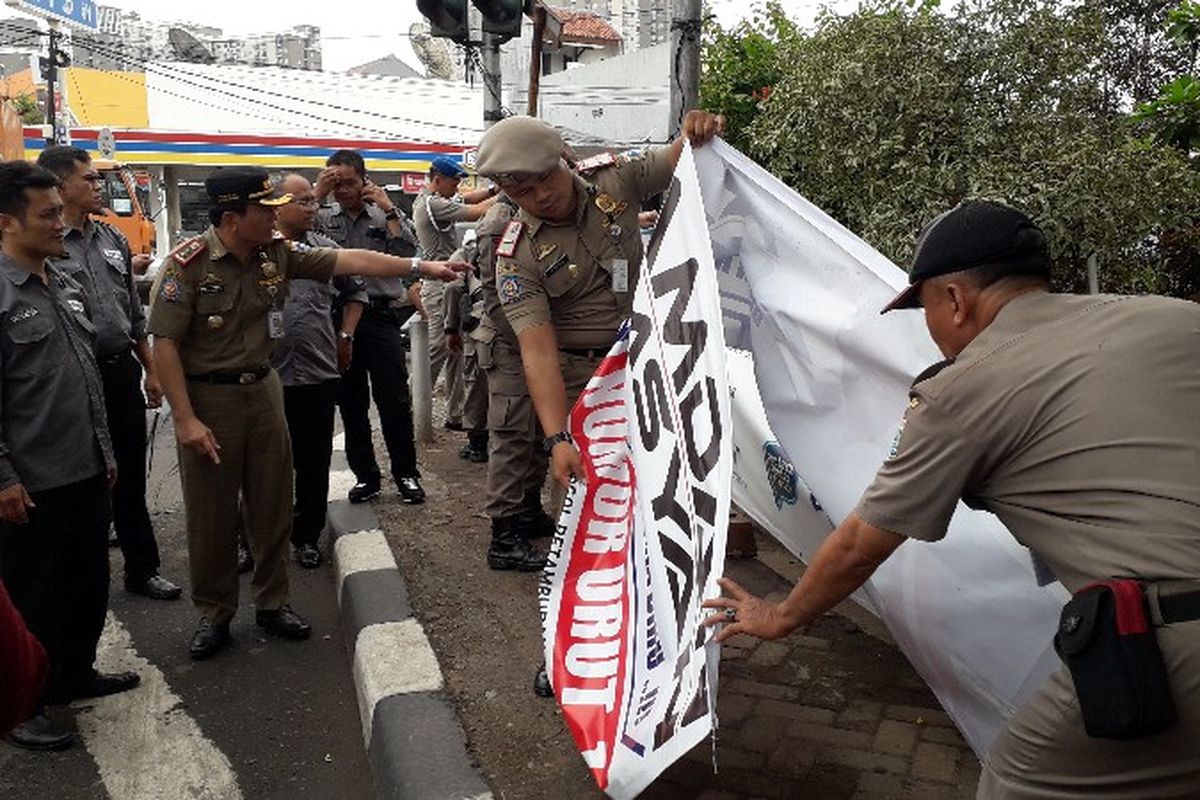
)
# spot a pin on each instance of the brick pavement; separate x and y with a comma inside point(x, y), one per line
point(833, 714)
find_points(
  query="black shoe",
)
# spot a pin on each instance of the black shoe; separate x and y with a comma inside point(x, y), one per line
point(473, 454)
point(535, 523)
point(39, 733)
point(509, 551)
point(457, 427)
point(410, 490)
point(283, 622)
point(208, 639)
point(308, 556)
point(541, 683)
point(156, 587)
point(102, 684)
point(362, 492)
point(245, 560)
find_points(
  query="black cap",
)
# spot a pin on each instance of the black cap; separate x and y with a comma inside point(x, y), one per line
point(975, 234)
point(231, 186)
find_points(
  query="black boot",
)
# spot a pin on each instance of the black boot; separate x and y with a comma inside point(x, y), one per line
point(533, 522)
point(509, 550)
point(476, 448)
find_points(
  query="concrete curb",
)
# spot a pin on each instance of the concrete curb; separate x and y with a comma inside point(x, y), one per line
point(412, 734)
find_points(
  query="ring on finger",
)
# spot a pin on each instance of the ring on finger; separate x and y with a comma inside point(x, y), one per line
point(730, 614)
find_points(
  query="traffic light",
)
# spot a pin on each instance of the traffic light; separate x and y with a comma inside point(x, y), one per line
point(447, 18)
point(502, 17)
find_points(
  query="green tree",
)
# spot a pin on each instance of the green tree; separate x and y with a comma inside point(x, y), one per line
point(27, 106)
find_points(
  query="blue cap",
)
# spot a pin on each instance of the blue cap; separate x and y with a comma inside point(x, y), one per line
point(447, 166)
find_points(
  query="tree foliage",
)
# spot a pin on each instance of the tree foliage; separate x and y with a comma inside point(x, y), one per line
point(890, 115)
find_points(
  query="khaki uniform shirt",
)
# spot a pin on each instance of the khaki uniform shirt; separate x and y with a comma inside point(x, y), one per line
point(434, 217)
point(99, 258)
point(1074, 419)
point(488, 232)
point(218, 309)
point(53, 425)
point(369, 231)
point(580, 274)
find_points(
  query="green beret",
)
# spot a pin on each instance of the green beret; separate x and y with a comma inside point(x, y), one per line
point(518, 146)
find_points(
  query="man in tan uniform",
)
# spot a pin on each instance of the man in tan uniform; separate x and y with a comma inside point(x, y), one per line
point(216, 313)
point(435, 210)
point(1073, 419)
point(568, 263)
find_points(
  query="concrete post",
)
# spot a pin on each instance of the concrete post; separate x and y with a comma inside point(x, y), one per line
point(685, 60)
point(422, 388)
point(174, 218)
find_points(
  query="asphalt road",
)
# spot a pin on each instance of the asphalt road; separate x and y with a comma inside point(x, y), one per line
point(266, 718)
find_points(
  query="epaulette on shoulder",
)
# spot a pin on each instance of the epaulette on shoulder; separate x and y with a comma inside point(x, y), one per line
point(186, 252)
point(507, 246)
point(596, 162)
point(932, 370)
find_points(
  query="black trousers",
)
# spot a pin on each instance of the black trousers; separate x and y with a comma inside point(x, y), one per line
point(309, 411)
point(56, 570)
point(379, 356)
point(127, 425)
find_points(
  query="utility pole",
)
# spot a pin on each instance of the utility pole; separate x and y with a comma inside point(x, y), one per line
point(686, 21)
point(535, 59)
point(51, 73)
point(490, 59)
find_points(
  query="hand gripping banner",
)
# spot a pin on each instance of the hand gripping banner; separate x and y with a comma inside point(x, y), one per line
point(642, 543)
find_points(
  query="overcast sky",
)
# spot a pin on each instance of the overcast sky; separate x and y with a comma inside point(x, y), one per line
point(356, 31)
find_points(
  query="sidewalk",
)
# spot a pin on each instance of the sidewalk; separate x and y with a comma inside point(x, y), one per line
point(837, 713)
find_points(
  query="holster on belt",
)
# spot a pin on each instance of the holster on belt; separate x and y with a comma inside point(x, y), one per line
point(1106, 637)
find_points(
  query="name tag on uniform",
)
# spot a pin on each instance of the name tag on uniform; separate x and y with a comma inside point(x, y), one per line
point(275, 324)
point(620, 275)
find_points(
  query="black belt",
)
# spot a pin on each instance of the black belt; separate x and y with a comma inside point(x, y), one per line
point(244, 378)
point(1181, 607)
point(584, 352)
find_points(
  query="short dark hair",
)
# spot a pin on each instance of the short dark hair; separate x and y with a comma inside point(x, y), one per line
point(348, 158)
point(984, 276)
point(215, 212)
point(15, 178)
point(61, 159)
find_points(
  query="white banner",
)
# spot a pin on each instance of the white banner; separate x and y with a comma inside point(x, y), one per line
point(643, 542)
point(803, 294)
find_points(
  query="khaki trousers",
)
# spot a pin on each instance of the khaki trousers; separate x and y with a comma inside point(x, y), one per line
point(516, 462)
point(1045, 753)
point(475, 387)
point(435, 311)
point(256, 460)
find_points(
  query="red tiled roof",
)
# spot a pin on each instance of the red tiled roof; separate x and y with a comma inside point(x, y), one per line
point(584, 27)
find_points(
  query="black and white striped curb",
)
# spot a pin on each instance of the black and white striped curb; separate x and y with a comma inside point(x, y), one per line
point(413, 737)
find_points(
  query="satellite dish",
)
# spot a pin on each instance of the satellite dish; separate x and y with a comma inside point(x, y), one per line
point(188, 48)
point(433, 52)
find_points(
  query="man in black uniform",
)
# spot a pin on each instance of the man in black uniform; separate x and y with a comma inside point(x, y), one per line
point(100, 260)
point(365, 218)
point(56, 458)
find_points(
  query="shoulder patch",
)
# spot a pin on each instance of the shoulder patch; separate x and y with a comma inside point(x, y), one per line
point(930, 371)
point(598, 161)
point(510, 289)
point(186, 253)
point(508, 242)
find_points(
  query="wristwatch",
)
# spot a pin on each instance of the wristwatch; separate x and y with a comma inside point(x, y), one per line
point(416, 266)
point(562, 436)
point(349, 337)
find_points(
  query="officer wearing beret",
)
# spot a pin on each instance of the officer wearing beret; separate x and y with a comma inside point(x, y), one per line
point(435, 210)
point(568, 262)
point(216, 312)
point(1073, 419)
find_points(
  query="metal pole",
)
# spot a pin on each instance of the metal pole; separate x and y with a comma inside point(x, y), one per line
point(1093, 273)
point(422, 385)
point(490, 59)
point(535, 59)
point(51, 75)
point(685, 61)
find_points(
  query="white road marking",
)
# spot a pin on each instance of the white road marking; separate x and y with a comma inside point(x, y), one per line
point(392, 658)
point(360, 552)
point(145, 745)
point(340, 481)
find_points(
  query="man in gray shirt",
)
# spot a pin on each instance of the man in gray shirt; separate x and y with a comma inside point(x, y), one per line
point(99, 258)
point(309, 359)
point(56, 459)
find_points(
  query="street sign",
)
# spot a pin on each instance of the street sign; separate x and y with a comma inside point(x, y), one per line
point(80, 13)
point(106, 144)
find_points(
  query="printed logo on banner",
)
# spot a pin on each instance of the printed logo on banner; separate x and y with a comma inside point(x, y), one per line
point(781, 475)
